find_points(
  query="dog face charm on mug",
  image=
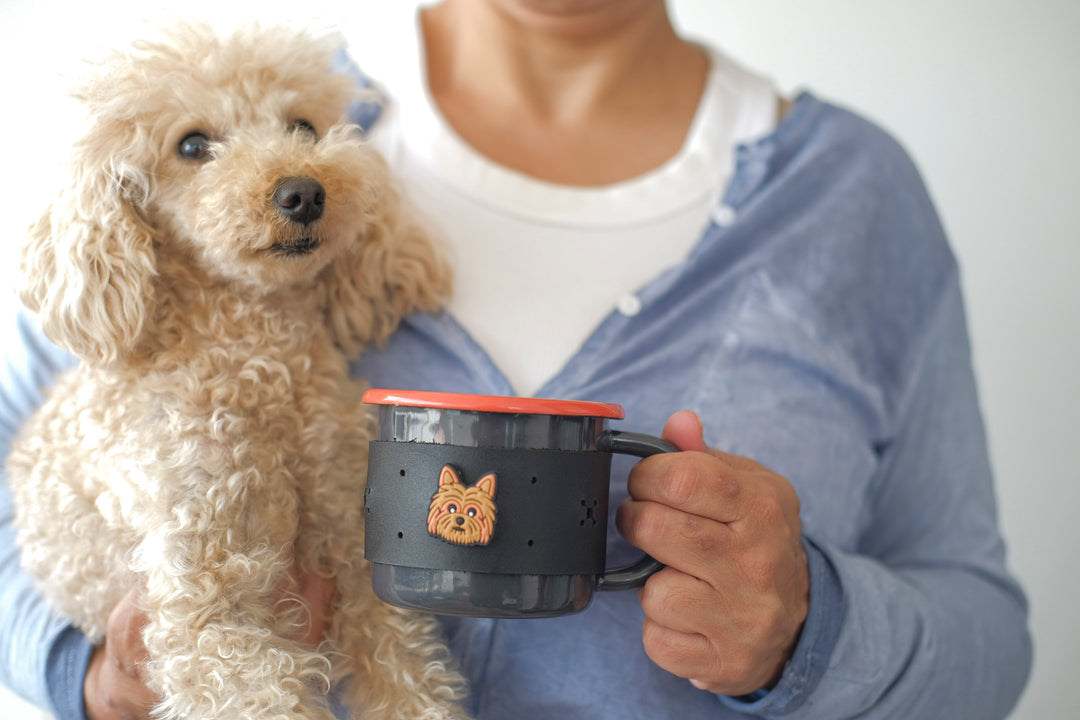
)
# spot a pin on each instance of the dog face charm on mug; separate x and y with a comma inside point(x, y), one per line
point(494, 506)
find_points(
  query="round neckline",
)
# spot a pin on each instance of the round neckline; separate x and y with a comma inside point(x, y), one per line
point(684, 180)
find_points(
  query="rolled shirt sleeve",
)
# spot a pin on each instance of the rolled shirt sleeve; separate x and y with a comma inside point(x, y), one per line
point(917, 616)
point(42, 658)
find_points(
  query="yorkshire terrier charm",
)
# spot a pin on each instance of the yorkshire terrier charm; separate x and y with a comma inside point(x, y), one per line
point(463, 515)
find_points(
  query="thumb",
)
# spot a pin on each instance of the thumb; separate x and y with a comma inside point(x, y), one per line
point(318, 593)
point(684, 431)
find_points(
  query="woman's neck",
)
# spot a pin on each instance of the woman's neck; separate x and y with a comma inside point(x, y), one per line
point(587, 98)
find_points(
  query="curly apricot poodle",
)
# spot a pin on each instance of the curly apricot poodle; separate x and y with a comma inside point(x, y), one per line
point(227, 242)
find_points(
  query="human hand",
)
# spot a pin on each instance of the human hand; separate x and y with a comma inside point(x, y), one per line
point(727, 609)
point(318, 595)
point(115, 687)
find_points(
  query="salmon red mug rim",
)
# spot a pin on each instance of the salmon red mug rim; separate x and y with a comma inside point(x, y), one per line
point(493, 403)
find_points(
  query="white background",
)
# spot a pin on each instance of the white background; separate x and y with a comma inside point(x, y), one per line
point(985, 94)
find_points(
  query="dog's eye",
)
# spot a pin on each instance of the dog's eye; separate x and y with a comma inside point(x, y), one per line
point(451, 508)
point(471, 512)
point(194, 146)
point(304, 126)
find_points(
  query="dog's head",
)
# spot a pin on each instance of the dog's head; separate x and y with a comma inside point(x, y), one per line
point(463, 515)
point(231, 154)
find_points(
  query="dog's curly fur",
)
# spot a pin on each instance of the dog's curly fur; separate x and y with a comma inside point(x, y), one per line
point(210, 441)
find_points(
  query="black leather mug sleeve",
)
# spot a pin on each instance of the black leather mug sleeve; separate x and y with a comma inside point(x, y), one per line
point(550, 517)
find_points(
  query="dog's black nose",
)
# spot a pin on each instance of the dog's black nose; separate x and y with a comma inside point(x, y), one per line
point(459, 520)
point(301, 199)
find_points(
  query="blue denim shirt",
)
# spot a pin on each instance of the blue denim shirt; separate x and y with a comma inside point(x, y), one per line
point(821, 331)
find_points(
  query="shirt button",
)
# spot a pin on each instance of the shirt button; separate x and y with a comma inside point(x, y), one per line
point(629, 305)
point(723, 215)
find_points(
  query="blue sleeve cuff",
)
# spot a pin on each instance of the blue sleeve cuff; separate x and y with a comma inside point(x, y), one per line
point(819, 633)
point(65, 674)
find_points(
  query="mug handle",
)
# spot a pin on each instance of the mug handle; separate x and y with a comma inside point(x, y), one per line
point(630, 443)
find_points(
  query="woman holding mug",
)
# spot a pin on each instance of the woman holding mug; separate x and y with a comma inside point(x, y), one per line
point(637, 219)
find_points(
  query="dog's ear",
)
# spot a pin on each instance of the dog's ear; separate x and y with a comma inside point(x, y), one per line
point(448, 477)
point(487, 485)
point(395, 269)
point(88, 265)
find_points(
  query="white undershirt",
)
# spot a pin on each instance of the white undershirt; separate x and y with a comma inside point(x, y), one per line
point(537, 265)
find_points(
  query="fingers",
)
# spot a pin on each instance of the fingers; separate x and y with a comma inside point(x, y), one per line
point(696, 512)
point(114, 692)
point(684, 431)
point(685, 604)
point(115, 687)
point(708, 667)
point(124, 633)
point(680, 653)
point(732, 639)
point(693, 482)
point(726, 611)
point(318, 595)
point(743, 616)
point(694, 544)
point(714, 485)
